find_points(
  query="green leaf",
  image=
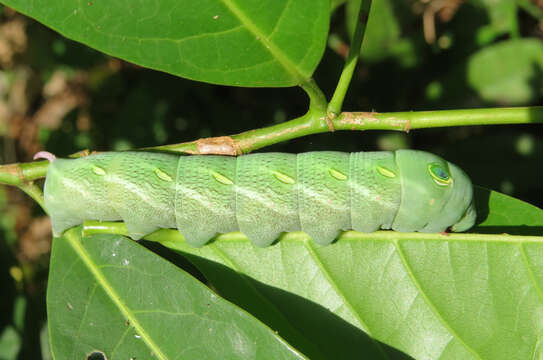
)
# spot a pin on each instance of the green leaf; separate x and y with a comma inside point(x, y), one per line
point(502, 16)
point(465, 296)
point(44, 343)
point(383, 29)
point(10, 343)
point(508, 215)
point(383, 37)
point(230, 42)
point(509, 72)
point(109, 295)
point(334, 4)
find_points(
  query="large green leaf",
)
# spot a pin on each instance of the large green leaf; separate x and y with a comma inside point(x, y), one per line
point(109, 295)
point(383, 29)
point(509, 72)
point(383, 36)
point(231, 42)
point(433, 296)
point(502, 18)
point(10, 343)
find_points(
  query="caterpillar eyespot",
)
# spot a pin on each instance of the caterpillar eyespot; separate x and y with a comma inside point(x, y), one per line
point(261, 195)
point(440, 175)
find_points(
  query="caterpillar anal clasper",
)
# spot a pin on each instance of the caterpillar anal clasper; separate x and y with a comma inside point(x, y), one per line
point(262, 195)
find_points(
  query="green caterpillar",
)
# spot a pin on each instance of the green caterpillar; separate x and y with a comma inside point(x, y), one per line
point(261, 195)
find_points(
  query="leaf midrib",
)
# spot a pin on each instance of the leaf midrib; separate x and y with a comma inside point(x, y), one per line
point(276, 52)
point(112, 294)
point(387, 235)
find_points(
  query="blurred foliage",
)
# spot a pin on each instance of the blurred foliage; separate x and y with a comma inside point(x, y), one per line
point(519, 64)
point(62, 96)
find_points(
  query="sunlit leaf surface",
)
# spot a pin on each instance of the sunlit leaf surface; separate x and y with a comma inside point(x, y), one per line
point(231, 42)
point(433, 296)
point(109, 295)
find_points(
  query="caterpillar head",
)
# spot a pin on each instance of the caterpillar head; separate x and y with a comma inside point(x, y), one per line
point(436, 194)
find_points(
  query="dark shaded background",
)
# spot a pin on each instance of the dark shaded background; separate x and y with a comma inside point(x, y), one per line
point(61, 96)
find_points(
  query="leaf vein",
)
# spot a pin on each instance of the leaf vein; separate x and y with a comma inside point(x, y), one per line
point(276, 52)
point(91, 295)
point(427, 300)
point(115, 298)
point(533, 280)
point(340, 293)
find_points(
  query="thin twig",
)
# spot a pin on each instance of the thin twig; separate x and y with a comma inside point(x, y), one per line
point(313, 123)
point(34, 192)
point(336, 103)
point(400, 121)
